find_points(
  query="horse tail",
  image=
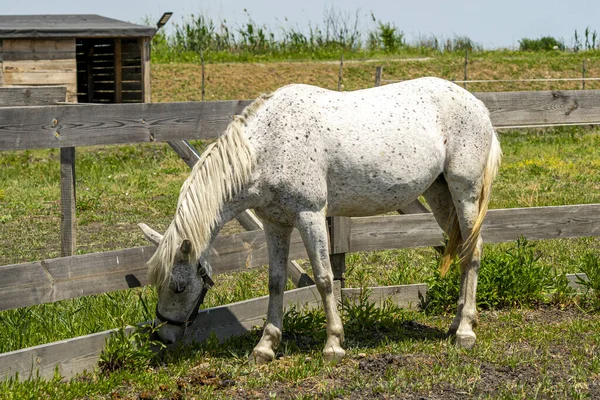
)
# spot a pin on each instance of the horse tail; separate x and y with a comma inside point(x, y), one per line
point(454, 234)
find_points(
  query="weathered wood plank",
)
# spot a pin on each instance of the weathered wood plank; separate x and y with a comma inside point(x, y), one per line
point(205, 120)
point(238, 318)
point(94, 124)
point(70, 357)
point(405, 296)
point(118, 71)
point(39, 66)
point(542, 107)
point(574, 281)
point(144, 44)
point(51, 280)
point(31, 96)
point(40, 78)
point(39, 45)
point(68, 219)
point(405, 231)
point(74, 356)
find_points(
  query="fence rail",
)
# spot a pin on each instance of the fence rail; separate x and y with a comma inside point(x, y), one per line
point(47, 281)
point(95, 124)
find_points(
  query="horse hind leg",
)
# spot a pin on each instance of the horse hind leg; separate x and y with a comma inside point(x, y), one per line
point(463, 199)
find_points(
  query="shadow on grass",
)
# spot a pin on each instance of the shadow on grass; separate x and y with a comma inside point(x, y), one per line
point(306, 333)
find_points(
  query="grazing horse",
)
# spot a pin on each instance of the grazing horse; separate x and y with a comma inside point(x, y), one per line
point(303, 153)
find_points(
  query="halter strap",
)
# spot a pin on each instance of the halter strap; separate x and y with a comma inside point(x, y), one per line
point(208, 283)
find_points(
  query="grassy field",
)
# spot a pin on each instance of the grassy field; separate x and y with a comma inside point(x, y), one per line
point(545, 351)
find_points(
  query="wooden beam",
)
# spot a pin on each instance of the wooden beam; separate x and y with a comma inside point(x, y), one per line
point(69, 357)
point(68, 219)
point(542, 107)
point(238, 318)
point(102, 124)
point(339, 245)
point(118, 61)
point(95, 124)
point(46, 281)
point(502, 225)
point(144, 44)
point(405, 296)
point(73, 356)
point(32, 95)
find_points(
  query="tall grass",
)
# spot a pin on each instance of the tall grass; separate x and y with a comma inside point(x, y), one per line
point(339, 32)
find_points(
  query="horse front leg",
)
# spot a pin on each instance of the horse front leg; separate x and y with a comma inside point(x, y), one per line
point(313, 229)
point(278, 244)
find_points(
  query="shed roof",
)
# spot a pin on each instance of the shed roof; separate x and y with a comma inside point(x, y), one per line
point(69, 26)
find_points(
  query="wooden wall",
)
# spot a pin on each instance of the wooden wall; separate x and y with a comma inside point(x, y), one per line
point(25, 62)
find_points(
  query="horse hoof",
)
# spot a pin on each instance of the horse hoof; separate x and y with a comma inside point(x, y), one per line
point(333, 356)
point(465, 341)
point(261, 357)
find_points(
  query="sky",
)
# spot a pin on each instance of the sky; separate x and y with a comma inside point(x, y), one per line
point(492, 24)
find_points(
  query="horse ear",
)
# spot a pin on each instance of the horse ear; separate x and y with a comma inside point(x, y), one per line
point(151, 235)
point(186, 247)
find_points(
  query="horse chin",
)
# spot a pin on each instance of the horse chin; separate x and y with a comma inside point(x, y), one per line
point(169, 334)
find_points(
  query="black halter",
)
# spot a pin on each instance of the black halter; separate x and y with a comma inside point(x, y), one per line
point(208, 283)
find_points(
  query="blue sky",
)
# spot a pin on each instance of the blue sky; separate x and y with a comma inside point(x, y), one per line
point(492, 24)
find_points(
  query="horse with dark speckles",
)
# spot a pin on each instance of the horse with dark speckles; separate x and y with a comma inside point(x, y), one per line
point(303, 153)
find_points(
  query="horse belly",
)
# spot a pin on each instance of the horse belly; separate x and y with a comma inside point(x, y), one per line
point(358, 195)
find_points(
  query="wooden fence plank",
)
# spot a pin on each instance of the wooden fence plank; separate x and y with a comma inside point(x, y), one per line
point(31, 96)
point(405, 296)
point(68, 219)
point(503, 225)
point(238, 318)
point(96, 124)
point(70, 357)
point(542, 107)
point(62, 278)
point(73, 356)
point(102, 124)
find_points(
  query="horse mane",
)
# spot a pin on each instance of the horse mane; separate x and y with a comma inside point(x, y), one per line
point(223, 168)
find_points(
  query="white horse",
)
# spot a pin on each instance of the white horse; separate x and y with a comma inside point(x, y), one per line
point(303, 153)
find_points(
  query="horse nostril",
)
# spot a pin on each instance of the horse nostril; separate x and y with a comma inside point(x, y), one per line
point(180, 288)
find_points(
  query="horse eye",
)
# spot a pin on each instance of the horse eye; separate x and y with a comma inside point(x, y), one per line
point(180, 287)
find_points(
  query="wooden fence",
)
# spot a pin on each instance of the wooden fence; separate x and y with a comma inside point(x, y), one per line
point(46, 281)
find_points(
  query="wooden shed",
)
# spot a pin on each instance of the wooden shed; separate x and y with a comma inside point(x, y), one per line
point(98, 59)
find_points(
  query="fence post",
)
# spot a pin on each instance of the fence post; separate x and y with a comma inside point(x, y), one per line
point(340, 72)
point(202, 66)
point(339, 245)
point(583, 75)
point(466, 67)
point(378, 73)
point(68, 219)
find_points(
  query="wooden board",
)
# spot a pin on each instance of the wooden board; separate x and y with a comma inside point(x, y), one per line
point(238, 318)
point(29, 46)
point(406, 231)
point(62, 278)
point(32, 96)
point(68, 219)
point(542, 107)
point(91, 124)
point(70, 357)
point(74, 356)
point(405, 296)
